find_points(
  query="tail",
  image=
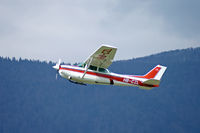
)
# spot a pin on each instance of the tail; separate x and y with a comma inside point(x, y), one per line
point(153, 77)
point(156, 73)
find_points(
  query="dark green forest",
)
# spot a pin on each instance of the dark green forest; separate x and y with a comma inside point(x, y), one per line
point(33, 101)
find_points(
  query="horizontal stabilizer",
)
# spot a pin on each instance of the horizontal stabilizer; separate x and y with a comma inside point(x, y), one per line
point(152, 82)
point(146, 88)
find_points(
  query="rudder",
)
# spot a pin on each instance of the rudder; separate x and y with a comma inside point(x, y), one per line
point(156, 73)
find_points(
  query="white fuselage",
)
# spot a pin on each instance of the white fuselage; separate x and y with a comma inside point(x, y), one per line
point(75, 73)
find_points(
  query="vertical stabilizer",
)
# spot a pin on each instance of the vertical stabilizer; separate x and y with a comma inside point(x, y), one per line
point(156, 73)
point(154, 76)
point(160, 73)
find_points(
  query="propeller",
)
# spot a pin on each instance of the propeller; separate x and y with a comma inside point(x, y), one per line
point(57, 67)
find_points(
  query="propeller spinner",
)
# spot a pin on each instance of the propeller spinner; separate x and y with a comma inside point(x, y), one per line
point(57, 66)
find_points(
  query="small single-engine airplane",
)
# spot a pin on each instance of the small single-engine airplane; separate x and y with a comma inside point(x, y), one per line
point(94, 71)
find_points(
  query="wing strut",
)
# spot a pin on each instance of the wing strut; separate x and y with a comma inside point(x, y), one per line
point(86, 67)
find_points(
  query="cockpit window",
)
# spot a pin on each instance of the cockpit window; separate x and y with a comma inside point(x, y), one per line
point(93, 67)
point(103, 70)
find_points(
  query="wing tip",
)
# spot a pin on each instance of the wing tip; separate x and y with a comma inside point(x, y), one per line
point(110, 46)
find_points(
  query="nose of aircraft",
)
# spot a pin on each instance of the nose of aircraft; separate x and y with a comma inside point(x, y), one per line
point(56, 67)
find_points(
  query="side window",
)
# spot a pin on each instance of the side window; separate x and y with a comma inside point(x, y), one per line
point(93, 68)
point(103, 70)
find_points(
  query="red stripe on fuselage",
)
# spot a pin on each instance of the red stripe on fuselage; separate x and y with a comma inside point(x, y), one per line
point(93, 73)
point(121, 79)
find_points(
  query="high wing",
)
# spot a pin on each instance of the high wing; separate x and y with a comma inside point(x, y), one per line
point(102, 57)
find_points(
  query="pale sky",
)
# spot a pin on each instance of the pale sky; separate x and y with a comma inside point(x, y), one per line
point(71, 30)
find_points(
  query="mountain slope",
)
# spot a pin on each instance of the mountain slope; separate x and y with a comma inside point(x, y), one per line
point(31, 100)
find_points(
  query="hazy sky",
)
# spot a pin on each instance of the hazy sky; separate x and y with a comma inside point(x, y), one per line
point(73, 29)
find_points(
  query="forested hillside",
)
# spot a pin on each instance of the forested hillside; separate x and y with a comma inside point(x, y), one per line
point(33, 101)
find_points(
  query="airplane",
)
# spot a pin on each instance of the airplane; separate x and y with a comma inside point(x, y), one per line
point(94, 71)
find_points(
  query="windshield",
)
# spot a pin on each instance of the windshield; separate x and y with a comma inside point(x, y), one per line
point(81, 65)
